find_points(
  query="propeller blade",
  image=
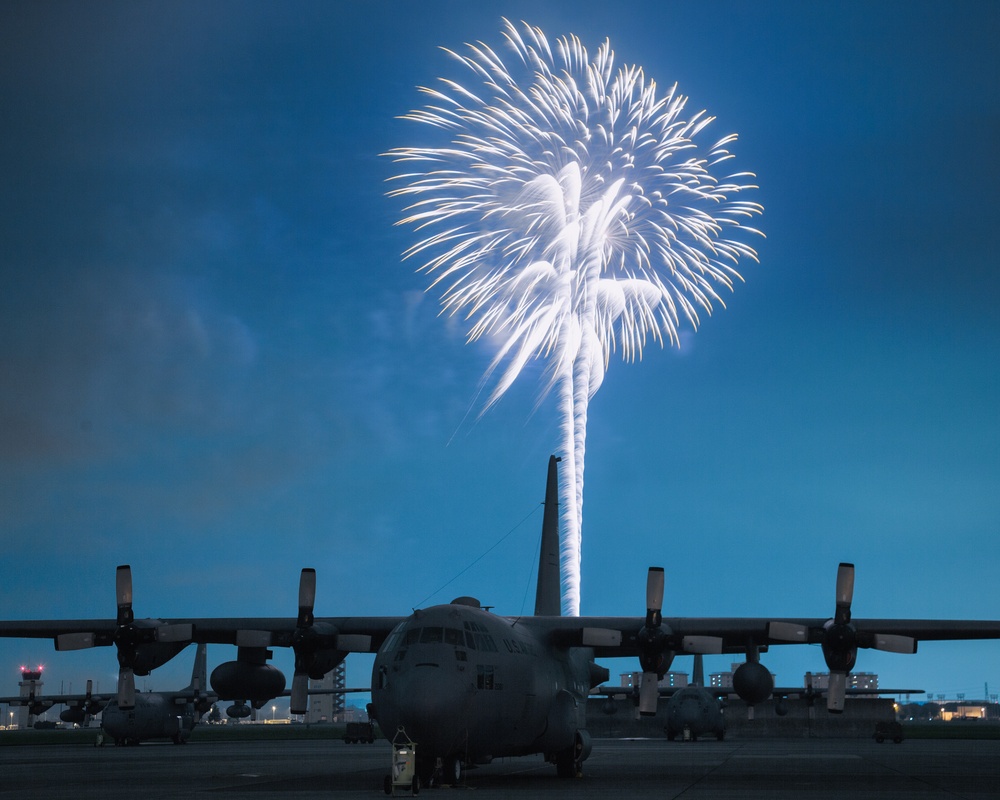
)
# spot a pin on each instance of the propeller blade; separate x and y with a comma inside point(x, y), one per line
point(891, 643)
point(787, 632)
point(654, 596)
point(649, 693)
point(74, 641)
point(845, 591)
point(126, 688)
point(123, 591)
point(835, 693)
point(307, 596)
point(654, 588)
point(299, 703)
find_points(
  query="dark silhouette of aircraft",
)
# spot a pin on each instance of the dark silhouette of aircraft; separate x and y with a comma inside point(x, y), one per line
point(162, 715)
point(79, 707)
point(691, 710)
point(697, 710)
point(468, 685)
point(154, 715)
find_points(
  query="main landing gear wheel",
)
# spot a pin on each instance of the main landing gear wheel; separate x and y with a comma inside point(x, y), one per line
point(451, 770)
point(567, 764)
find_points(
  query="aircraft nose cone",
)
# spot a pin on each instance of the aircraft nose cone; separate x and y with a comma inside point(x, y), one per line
point(431, 708)
point(686, 713)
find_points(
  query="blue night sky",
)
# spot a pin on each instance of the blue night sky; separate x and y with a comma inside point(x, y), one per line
point(215, 366)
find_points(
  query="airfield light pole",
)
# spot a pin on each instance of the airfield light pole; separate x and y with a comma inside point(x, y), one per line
point(273, 709)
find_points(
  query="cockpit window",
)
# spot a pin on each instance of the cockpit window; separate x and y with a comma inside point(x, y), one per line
point(436, 635)
point(431, 635)
point(412, 636)
point(393, 638)
point(478, 639)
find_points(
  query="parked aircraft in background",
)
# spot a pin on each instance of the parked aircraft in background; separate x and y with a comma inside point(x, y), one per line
point(697, 710)
point(162, 715)
point(691, 710)
point(79, 707)
point(154, 715)
point(469, 685)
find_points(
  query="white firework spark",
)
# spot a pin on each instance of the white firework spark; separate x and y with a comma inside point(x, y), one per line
point(572, 214)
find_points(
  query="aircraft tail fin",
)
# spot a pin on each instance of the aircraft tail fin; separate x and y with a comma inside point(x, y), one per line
point(547, 593)
point(698, 675)
point(199, 675)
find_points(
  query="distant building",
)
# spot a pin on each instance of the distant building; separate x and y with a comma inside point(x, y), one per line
point(671, 680)
point(722, 680)
point(327, 707)
point(966, 709)
point(855, 680)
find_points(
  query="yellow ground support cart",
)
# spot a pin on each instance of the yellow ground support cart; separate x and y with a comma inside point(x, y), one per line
point(403, 770)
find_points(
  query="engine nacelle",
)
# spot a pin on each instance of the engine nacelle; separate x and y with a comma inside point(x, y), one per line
point(149, 656)
point(73, 714)
point(753, 682)
point(323, 661)
point(242, 680)
point(840, 647)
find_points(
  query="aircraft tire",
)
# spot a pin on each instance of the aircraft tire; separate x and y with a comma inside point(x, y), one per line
point(451, 770)
point(415, 786)
point(387, 784)
point(566, 764)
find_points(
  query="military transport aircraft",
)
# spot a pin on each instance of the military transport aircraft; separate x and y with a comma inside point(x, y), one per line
point(468, 685)
point(697, 709)
point(692, 710)
point(162, 715)
point(155, 715)
point(79, 707)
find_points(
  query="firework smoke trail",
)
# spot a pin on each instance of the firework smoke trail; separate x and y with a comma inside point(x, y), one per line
point(571, 214)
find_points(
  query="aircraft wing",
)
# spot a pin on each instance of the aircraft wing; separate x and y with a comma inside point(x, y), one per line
point(56, 699)
point(343, 632)
point(811, 691)
point(620, 636)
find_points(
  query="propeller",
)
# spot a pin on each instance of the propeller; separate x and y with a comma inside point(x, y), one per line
point(653, 640)
point(125, 638)
point(128, 637)
point(303, 641)
point(840, 639)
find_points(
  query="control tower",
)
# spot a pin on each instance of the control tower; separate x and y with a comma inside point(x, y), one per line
point(30, 684)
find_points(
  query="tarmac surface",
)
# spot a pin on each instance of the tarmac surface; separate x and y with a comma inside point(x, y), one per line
point(304, 770)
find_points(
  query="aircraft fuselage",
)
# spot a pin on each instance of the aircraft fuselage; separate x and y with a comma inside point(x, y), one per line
point(694, 711)
point(464, 683)
point(154, 716)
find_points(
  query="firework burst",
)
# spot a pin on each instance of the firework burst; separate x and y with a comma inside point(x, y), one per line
point(572, 214)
